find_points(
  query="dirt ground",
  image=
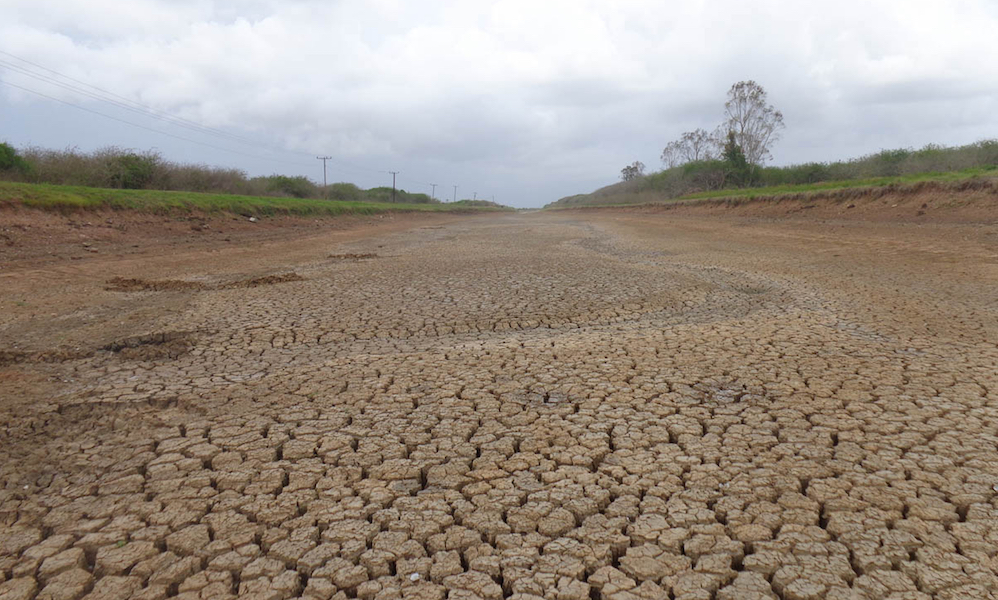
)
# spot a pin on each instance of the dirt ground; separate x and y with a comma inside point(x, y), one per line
point(571, 405)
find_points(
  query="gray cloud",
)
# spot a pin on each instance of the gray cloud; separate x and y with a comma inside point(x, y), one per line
point(529, 101)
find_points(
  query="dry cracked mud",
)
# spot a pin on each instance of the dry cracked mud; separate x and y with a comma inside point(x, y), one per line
point(534, 406)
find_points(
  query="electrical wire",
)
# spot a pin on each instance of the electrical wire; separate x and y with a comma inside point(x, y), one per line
point(106, 96)
point(122, 102)
point(122, 105)
point(159, 131)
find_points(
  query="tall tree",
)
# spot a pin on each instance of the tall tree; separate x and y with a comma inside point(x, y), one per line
point(693, 146)
point(740, 170)
point(672, 155)
point(755, 123)
point(632, 171)
point(698, 145)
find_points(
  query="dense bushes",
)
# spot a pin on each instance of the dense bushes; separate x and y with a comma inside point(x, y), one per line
point(732, 172)
point(114, 167)
point(292, 187)
point(131, 171)
point(932, 158)
point(11, 162)
point(344, 191)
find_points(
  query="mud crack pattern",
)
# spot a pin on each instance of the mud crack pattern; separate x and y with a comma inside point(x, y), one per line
point(529, 408)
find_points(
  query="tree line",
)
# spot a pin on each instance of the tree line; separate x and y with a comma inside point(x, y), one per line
point(113, 167)
point(734, 154)
point(735, 150)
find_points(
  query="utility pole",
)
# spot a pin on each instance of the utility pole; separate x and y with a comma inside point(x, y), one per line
point(455, 193)
point(475, 195)
point(394, 173)
point(433, 194)
point(323, 159)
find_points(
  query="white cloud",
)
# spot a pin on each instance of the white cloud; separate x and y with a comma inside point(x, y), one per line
point(555, 94)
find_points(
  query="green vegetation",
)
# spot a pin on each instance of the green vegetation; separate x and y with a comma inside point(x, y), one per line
point(729, 161)
point(774, 190)
point(291, 187)
point(477, 204)
point(731, 177)
point(118, 168)
point(384, 194)
point(75, 198)
point(11, 162)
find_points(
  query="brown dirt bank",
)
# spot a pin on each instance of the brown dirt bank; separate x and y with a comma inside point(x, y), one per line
point(34, 237)
point(973, 201)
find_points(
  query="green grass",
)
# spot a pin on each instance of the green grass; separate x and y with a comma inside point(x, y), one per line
point(835, 185)
point(77, 198)
point(651, 196)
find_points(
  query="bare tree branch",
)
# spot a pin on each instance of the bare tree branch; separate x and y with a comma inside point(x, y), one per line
point(756, 125)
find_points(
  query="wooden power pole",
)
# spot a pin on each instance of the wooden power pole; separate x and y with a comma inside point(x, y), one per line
point(323, 159)
point(394, 173)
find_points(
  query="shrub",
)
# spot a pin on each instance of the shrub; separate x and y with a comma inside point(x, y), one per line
point(739, 172)
point(11, 161)
point(986, 152)
point(795, 174)
point(704, 175)
point(298, 186)
point(417, 198)
point(379, 194)
point(202, 178)
point(131, 171)
point(343, 191)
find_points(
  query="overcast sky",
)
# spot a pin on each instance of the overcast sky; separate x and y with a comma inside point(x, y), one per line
point(527, 100)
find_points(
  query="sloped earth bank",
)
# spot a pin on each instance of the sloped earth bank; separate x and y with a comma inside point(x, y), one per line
point(972, 201)
point(563, 406)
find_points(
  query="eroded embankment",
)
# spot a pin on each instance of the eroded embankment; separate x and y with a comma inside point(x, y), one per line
point(969, 201)
point(33, 236)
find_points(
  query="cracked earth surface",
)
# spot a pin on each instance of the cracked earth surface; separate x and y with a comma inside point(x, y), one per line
point(534, 406)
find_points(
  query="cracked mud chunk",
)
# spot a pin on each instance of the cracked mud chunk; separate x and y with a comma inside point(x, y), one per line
point(555, 406)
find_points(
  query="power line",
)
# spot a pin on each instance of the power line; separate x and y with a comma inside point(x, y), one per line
point(166, 133)
point(124, 103)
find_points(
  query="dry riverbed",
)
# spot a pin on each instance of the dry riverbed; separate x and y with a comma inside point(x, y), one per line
point(564, 406)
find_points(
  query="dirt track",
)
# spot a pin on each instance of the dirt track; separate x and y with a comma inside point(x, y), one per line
point(566, 406)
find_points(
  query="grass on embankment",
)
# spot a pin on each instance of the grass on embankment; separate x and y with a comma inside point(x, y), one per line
point(874, 182)
point(824, 188)
point(63, 198)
